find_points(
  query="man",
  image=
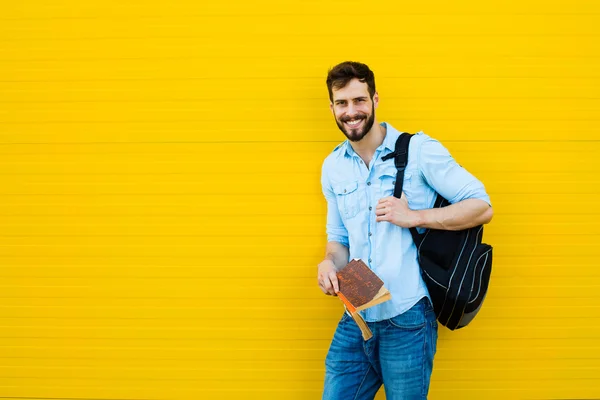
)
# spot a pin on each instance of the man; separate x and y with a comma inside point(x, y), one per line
point(365, 221)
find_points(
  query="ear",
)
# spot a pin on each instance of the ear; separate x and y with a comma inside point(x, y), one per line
point(331, 108)
point(376, 99)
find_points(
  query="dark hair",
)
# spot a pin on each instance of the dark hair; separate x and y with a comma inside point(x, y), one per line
point(341, 74)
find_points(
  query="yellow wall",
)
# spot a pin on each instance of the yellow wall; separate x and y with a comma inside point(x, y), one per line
point(160, 209)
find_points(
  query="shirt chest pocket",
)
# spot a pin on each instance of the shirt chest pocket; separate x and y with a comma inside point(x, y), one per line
point(388, 183)
point(417, 193)
point(350, 199)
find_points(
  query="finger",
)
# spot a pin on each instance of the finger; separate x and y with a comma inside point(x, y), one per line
point(382, 218)
point(334, 281)
point(327, 285)
point(324, 290)
point(383, 206)
point(387, 201)
point(320, 282)
point(323, 281)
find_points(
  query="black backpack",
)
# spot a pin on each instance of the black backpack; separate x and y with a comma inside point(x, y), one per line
point(455, 265)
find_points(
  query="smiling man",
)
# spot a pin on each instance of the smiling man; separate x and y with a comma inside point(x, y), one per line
point(365, 221)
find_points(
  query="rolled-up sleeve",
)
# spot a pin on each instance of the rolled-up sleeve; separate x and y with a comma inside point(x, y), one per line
point(336, 231)
point(446, 176)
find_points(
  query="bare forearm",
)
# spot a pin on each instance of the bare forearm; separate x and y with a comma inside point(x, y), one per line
point(338, 253)
point(462, 215)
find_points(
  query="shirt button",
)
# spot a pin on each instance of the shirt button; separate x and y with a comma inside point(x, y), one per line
point(361, 161)
point(369, 260)
point(394, 182)
point(370, 234)
point(369, 183)
point(370, 208)
point(344, 190)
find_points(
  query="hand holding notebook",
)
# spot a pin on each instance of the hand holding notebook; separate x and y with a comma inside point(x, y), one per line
point(359, 289)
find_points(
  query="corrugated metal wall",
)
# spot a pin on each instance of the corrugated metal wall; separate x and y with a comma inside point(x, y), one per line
point(160, 209)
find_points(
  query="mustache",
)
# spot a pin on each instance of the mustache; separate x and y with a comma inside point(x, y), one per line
point(357, 116)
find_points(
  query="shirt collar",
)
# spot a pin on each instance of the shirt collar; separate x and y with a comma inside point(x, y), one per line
point(391, 135)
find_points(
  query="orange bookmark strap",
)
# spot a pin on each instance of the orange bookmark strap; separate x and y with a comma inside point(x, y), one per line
point(349, 306)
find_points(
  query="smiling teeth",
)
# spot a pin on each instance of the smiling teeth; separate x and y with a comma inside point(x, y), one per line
point(353, 122)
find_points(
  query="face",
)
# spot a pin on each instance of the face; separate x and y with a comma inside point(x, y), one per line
point(354, 110)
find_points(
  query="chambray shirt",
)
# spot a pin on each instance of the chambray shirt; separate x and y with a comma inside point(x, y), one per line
point(352, 192)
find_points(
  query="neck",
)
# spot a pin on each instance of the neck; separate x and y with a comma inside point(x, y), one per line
point(365, 148)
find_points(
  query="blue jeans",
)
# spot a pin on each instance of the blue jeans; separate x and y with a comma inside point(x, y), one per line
point(399, 356)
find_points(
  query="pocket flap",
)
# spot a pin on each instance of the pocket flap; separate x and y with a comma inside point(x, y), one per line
point(343, 188)
point(388, 171)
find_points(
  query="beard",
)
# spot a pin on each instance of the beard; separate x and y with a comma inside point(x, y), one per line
point(356, 134)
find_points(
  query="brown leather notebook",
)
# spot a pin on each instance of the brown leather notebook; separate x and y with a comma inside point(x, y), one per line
point(360, 288)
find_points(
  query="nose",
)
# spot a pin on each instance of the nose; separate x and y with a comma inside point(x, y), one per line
point(351, 111)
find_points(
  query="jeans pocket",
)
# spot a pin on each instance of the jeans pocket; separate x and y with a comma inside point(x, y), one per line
point(412, 319)
point(429, 310)
point(345, 317)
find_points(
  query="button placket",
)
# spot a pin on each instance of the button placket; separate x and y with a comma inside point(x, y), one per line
point(372, 192)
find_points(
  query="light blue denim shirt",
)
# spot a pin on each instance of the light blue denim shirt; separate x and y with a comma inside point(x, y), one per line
point(352, 191)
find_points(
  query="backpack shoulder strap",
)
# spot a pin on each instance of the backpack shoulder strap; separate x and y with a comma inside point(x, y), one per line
point(400, 155)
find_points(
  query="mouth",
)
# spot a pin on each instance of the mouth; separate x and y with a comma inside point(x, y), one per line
point(354, 123)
